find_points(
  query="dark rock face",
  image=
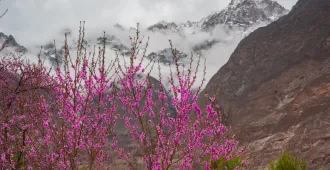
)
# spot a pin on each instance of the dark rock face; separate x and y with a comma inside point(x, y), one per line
point(277, 81)
point(55, 56)
point(162, 25)
point(114, 43)
point(300, 3)
point(166, 56)
point(9, 41)
point(204, 46)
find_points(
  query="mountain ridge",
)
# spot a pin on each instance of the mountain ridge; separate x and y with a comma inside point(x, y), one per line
point(275, 89)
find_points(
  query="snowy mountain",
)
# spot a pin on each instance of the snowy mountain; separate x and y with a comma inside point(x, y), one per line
point(238, 14)
point(239, 18)
point(220, 30)
point(245, 14)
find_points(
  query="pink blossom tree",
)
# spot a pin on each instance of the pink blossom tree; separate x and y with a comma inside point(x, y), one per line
point(67, 120)
point(22, 87)
point(80, 129)
point(171, 132)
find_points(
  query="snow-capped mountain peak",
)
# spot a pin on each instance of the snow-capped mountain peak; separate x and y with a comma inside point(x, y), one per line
point(244, 14)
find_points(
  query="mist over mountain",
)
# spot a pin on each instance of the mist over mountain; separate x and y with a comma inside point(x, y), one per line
point(214, 36)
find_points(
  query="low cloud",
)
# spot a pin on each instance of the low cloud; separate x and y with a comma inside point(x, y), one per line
point(37, 22)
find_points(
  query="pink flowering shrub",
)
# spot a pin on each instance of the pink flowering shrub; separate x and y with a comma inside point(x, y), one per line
point(22, 114)
point(69, 120)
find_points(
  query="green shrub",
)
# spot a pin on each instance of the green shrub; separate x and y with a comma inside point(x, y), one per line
point(288, 161)
point(223, 164)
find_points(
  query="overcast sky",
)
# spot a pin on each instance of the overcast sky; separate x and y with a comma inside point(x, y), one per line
point(30, 18)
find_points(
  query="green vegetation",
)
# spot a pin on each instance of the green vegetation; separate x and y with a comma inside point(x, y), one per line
point(223, 164)
point(288, 161)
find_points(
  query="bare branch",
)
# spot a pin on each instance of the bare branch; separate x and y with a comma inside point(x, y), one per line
point(4, 13)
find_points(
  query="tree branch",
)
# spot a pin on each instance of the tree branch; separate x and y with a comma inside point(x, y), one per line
point(4, 13)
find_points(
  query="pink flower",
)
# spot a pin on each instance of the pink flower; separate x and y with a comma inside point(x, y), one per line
point(46, 123)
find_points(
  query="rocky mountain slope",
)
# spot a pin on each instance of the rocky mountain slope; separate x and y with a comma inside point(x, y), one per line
point(275, 88)
point(10, 42)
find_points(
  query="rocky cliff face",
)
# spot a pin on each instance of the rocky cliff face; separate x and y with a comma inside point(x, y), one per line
point(277, 82)
point(166, 56)
point(10, 42)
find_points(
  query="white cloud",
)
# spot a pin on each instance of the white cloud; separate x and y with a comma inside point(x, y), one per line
point(35, 22)
point(32, 20)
